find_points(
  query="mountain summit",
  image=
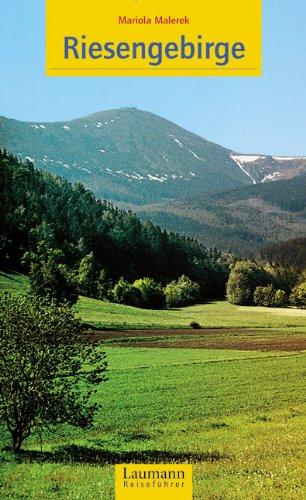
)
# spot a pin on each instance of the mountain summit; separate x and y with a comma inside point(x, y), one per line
point(135, 156)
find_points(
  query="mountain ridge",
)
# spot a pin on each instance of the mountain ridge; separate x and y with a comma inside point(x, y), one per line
point(124, 155)
point(132, 156)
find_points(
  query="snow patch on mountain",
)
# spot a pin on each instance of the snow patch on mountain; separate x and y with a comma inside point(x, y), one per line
point(178, 143)
point(181, 145)
point(195, 155)
point(272, 177)
point(240, 160)
point(287, 158)
point(156, 178)
point(137, 176)
point(246, 158)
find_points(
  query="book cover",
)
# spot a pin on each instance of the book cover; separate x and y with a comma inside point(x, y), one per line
point(152, 249)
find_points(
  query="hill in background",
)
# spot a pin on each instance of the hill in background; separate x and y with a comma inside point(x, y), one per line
point(243, 220)
point(292, 253)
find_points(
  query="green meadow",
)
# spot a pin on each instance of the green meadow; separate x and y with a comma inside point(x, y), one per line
point(236, 415)
point(106, 315)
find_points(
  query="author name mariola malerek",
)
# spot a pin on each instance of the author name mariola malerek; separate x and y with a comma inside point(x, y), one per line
point(153, 20)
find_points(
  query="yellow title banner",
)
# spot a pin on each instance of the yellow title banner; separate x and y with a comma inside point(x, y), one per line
point(153, 482)
point(160, 38)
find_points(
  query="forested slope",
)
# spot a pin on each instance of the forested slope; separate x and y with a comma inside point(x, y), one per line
point(242, 221)
point(36, 207)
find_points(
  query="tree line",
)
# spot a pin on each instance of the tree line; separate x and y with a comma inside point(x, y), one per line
point(268, 285)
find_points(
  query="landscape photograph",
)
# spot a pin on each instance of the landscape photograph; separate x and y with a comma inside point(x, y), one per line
point(152, 273)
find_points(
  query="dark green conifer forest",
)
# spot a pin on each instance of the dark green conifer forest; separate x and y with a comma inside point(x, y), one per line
point(44, 218)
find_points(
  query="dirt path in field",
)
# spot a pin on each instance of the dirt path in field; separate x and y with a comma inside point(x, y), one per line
point(246, 339)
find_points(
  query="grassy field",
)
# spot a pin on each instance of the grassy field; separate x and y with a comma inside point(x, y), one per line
point(106, 315)
point(236, 415)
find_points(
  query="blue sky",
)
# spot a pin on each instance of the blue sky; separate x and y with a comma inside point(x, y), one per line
point(258, 115)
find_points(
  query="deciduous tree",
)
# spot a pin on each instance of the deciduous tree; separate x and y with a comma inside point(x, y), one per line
point(48, 373)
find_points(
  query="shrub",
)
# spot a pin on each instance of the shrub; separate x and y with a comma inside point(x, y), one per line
point(280, 299)
point(195, 325)
point(143, 292)
point(152, 294)
point(264, 296)
point(125, 293)
point(238, 292)
point(244, 278)
point(182, 292)
point(267, 296)
point(298, 295)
